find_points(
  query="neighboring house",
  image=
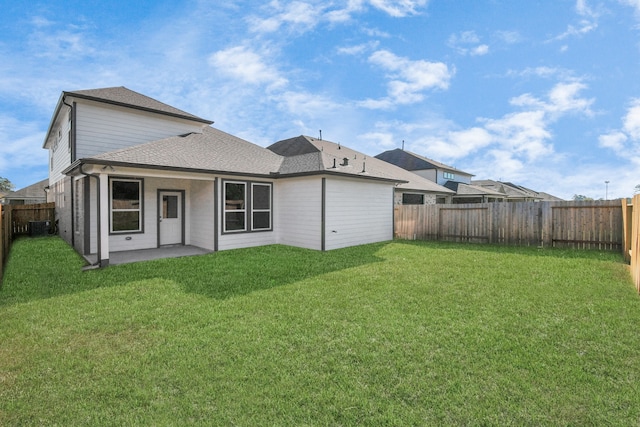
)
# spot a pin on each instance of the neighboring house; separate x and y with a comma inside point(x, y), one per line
point(546, 197)
point(34, 193)
point(468, 193)
point(425, 167)
point(128, 172)
point(512, 192)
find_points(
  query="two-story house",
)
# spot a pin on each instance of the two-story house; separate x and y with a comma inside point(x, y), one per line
point(456, 180)
point(128, 172)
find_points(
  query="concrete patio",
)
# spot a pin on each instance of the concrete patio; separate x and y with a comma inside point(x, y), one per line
point(169, 251)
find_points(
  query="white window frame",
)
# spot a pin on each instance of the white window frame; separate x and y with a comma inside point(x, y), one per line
point(225, 210)
point(269, 209)
point(139, 209)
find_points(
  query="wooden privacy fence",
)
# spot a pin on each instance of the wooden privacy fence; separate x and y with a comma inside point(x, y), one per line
point(631, 248)
point(583, 225)
point(15, 221)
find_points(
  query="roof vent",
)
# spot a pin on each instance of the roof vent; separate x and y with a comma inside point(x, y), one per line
point(345, 162)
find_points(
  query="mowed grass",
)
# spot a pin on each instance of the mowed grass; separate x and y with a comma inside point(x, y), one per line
point(399, 333)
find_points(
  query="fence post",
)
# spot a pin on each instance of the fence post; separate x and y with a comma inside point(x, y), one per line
point(2, 237)
point(627, 222)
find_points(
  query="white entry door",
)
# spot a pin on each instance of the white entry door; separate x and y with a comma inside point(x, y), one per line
point(170, 217)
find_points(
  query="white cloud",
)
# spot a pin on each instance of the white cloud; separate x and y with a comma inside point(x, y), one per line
point(483, 49)
point(631, 122)
point(358, 49)
point(587, 23)
point(635, 4)
point(306, 104)
point(20, 145)
point(523, 133)
point(467, 43)
point(543, 72)
point(625, 142)
point(383, 140)
point(614, 140)
point(247, 66)
point(509, 37)
point(563, 98)
point(408, 79)
point(303, 16)
point(297, 15)
point(399, 8)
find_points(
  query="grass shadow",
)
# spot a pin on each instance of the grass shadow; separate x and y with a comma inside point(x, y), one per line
point(594, 254)
point(47, 267)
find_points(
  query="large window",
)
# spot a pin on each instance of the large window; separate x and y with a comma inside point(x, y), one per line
point(261, 207)
point(235, 206)
point(247, 207)
point(412, 199)
point(449, 175)
point(126, 205)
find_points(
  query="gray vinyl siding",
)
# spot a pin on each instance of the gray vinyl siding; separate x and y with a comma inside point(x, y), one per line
point(61, 193)
point(358, 212)
point(202, 214)
point(102, 128)
point(59, 150)
point(299, 212)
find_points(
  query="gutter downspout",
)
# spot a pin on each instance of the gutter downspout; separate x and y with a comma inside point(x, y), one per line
point(73, 198)
point(98, 224)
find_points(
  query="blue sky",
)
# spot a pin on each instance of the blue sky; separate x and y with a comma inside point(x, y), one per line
point(541, 93)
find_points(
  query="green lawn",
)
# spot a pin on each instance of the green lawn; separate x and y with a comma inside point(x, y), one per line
point(399, 333)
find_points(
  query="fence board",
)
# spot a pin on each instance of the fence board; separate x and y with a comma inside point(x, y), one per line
point(583, 225)
point(635, 242)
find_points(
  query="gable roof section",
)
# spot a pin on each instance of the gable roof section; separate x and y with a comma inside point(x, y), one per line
point(463, 189)
point(123, 97)
point(412, 161)
point(128, 98)
point(296, 146)
point(511, 191)
point(209, 151)
point(305, 155)
point(33, 191)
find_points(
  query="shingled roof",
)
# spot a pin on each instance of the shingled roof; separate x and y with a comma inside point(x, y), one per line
point(128, 98)
point(463, 189)
point(31, 192)
point(412, 161)
point(209, 151)
point(304, 154)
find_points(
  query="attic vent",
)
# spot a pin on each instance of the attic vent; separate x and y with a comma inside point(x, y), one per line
point(345, 162)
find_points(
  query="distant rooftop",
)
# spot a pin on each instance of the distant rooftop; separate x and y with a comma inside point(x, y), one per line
point(413, 162)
